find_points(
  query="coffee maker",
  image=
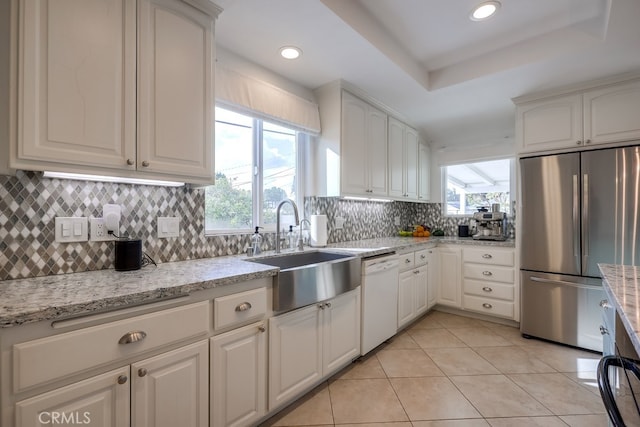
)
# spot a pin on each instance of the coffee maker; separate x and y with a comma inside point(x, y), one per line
point(490, 225)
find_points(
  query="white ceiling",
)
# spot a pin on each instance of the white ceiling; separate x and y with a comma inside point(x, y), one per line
point(450, 77)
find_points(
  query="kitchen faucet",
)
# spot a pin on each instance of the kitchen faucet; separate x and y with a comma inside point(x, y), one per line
point(295, 213)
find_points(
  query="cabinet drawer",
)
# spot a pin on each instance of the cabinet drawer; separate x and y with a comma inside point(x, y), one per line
point(489, 256)
point(420, 257)
point(485, 289)
point(51, 358)
point(488, 306)
point(491, 273)
point(240, 307)
point(407, 261)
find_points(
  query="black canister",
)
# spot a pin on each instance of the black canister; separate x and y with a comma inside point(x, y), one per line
point(128, 254)
point(463, 230)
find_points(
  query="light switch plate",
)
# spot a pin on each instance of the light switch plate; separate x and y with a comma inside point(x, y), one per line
point(168, 226)
point(339, 223)
point(71, 229)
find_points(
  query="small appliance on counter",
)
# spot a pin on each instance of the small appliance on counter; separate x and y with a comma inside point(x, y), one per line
point(490, 225)
point(128, 254)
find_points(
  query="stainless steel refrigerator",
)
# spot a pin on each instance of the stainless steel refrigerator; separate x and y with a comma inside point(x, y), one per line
point(578, 210)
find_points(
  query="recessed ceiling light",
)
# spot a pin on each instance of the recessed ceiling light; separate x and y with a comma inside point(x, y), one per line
point(290, 52)
point(484, 10)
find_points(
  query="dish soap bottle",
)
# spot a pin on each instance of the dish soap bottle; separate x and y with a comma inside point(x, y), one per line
point(291, 238)
point(256, 242)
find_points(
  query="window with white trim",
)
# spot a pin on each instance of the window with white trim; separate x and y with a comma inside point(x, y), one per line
point(256, 168)
point(469, 186)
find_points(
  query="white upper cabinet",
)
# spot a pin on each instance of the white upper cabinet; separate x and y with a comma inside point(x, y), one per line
point(598, 116)
point(424, 171)
point(403, 161)
point(116, 87)
point(363, 148)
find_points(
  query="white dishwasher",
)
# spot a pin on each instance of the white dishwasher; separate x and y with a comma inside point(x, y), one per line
point(379, 301)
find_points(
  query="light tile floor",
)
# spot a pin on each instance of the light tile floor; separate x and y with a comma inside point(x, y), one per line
point(453, 371)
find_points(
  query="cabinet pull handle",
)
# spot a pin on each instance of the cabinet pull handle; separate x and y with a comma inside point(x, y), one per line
point(145, 164)
point(416, 271)
point(487, 305)
point(487, 289)
point(487, 256)
point(487, 273)
point(243, 306)
point(261, 328)
point(122, 379)
point(130, 162)
point(603, 330)
point(142, 372)
point(133, 336)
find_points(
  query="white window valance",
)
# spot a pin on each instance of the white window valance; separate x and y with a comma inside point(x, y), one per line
point(265, 101)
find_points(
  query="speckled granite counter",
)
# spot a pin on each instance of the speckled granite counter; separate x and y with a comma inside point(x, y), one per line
point(53, 297)
point(622, 287)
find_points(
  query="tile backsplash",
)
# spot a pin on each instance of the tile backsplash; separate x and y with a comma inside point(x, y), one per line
point(30, 203)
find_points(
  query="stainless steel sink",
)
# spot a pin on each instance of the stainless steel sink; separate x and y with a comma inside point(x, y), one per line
point(310, 277)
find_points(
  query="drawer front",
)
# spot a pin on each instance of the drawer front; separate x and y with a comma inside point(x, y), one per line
point(485, 289)
point(488, 306)
point(51, 358)
point(421, 257)
point(489, 256)
point(240, 307)
point(490, 273)
point(407, 261)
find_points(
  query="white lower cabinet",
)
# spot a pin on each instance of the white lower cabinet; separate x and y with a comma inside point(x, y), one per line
point(413, 286)
point(449, 276)
point(164, 391)
point(239, 376)
point(311, 343)
point(432, 277)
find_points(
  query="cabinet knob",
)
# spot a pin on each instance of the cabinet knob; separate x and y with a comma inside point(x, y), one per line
point(487, 305)
point(605, 304)
point(145, 164)
point(487, 273)
point(416, 272)
point(262, 328)
point(131, 337)
point(487, 256)
point(130, 162)
point(122, 379)
point(142, 372)
point(243, 306)
point(407, 260)
point(321, 306)
point(578, 142)
point(588, 141)
point(487, 289)
point(423, 256)
point(328, 304)
point(603, 330)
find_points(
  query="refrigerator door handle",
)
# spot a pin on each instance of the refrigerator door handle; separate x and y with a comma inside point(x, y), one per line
point(564, 282)
point(576, 218)
point(585, 218)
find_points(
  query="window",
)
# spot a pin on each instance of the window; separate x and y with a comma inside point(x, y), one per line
point(469, 186)
point(256, 168)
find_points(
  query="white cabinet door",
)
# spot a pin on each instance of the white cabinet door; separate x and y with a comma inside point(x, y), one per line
point(295, 353)
point(449, 280)
point(432, 277)
point(175, 89)
point(550, 123)
point(406, 297)
point(421, 283)
point(239, 376)
point(77, 83)
point(101, 401)
point(172, 389)
point(355, 166)
point(396, 158)
point(341, 331)
point(612, 114)
point(376, 152)
point(411, 163)
point(424, 169)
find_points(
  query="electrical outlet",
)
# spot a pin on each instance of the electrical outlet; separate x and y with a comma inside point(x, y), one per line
point(99, 231)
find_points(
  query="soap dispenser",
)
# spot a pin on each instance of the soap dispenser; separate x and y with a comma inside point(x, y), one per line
point(256, 242)
point(291, 238)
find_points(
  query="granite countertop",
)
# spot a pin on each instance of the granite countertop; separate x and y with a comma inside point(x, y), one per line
point(622, 286)
point(59, 296)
